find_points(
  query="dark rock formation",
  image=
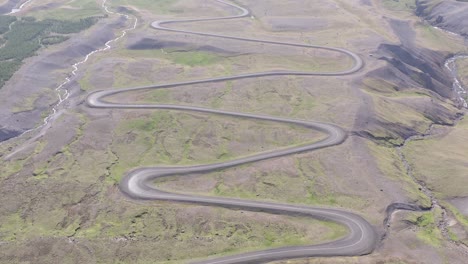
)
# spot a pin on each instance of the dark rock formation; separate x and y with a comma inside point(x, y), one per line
point(448, 15)
point(415, 68)
point(150, 43)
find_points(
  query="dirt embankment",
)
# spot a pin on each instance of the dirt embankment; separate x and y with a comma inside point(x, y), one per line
point(417, 72)
point(415, 67)
point(448, 15)
point(6, 7)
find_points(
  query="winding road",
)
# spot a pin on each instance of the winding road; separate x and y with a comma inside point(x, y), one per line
point(138, 184)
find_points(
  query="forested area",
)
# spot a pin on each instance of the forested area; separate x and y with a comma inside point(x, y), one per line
point(27, 35)
point(51, 40)
point(68, 27)
point(7, 68)
point(5, 22)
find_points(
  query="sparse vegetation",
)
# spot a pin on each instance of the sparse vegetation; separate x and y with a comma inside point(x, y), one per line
point(391, 166)
point(462, 68)
point(400, 5)
point(440, 162)
point(194, 58)
point(61, 193)
point(428, 231)
point(156, 7)
point(388, 100)
point(204, 230)
point(73, 10)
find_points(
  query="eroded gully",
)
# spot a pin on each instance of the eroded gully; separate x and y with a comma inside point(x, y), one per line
point(460, 93)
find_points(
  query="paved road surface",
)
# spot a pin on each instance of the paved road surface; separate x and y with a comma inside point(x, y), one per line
point(137, 184)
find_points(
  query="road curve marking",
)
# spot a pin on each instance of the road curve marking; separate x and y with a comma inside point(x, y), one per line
point(137, 184)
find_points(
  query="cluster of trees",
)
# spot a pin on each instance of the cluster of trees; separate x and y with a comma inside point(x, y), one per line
point(7, 68)
point(22, 40)
point(28, 35)
point(68, 27)
point(51, 40)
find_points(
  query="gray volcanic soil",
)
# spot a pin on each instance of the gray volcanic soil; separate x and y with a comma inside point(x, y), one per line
point(448, 15)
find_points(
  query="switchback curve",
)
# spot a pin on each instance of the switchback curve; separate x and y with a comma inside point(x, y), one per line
point(137, 184)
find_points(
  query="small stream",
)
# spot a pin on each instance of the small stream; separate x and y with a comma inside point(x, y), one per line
point(461, 97)
point(62, 92)
point(460, 93)
point(451, 65)
point(458, 89)
point(16, 10)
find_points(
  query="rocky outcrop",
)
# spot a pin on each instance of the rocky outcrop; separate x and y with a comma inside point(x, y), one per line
point(408, 67)
point(448, 15)
point(414, 68)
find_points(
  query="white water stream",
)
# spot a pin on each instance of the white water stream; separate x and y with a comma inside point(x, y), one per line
point(451, 65)
point(62, 92)
point(16, 10)
point(460, 91)
point(461, 98)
